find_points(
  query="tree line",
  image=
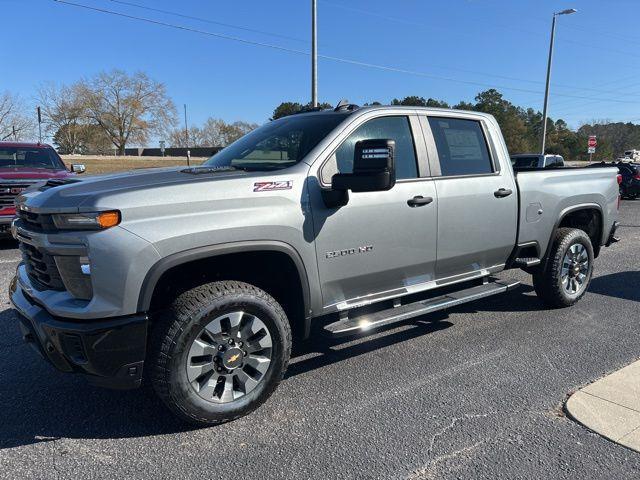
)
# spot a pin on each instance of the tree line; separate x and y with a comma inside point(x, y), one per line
point(114, 109)
point(522, 128)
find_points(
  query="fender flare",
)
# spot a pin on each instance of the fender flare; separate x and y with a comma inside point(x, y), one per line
point(563, 213)
point(179, 258)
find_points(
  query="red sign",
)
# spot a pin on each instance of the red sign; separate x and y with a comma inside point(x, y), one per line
point(592, 141)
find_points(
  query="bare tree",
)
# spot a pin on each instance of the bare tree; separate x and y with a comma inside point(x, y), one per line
point(63, 112)
point(178, 138)
point(214, 133)
point(218, 133)
point(15, 123)
point(129, 108)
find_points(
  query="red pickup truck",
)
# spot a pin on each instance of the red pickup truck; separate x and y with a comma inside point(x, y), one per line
point(22, 165)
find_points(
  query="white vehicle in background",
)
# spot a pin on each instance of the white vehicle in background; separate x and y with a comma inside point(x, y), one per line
point(633, 155)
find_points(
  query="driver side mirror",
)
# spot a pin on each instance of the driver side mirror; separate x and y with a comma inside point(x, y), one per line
point(78, 168)
point(373, 171)
point(373, 168)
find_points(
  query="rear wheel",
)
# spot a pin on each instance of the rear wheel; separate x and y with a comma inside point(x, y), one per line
point(219, 352)
point(568, 271)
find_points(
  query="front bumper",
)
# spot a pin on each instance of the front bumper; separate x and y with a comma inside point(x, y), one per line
point(110, 351)
point(5, 224)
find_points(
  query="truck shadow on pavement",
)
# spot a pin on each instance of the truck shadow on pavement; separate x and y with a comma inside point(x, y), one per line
point(8, 244)
point(624, 285)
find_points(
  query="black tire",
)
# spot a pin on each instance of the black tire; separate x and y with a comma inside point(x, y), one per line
point(548, 282)
point(175, 330)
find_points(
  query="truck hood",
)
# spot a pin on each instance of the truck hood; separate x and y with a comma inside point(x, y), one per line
point(20, 173)
point(82, 194)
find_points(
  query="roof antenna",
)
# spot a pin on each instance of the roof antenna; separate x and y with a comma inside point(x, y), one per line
point(344, 105)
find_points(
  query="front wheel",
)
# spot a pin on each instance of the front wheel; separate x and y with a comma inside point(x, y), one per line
point(568, 271)
point(219, 352)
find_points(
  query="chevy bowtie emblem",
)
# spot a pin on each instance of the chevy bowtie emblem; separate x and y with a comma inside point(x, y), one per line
point(233, 358)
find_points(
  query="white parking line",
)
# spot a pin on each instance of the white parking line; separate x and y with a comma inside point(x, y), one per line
point(10, 261)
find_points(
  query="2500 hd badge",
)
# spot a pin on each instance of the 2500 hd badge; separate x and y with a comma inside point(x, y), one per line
point(349, 251)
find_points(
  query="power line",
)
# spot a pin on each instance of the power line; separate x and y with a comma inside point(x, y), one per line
point(325, 57)
point(206, 20)
point(421, 25)
point(503, 77)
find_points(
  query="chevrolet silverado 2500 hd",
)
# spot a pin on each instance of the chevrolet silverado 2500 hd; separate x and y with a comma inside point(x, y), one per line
point(197, 279)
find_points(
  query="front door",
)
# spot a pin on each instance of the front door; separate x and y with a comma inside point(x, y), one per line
point(381, 243)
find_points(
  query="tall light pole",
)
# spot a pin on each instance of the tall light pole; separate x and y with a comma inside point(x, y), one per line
point(546, 92)
point(314, 53)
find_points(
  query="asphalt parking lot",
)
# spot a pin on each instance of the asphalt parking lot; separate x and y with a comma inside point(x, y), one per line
point(475, 393)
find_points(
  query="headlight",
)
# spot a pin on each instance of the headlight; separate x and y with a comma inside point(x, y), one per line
point(87, 221)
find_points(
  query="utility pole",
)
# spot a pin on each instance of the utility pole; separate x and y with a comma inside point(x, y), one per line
point(546, 91)
point(186, 127)
point(186, 135)
point(39, 126)
point(314, 53)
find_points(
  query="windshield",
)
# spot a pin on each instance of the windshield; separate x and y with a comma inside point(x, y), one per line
point(24, 157)
point(277, 144)
point(525, 162)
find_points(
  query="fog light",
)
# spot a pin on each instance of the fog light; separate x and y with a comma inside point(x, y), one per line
point(85, 265)
point(75, 273)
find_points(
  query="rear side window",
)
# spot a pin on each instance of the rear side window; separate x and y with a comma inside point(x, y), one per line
point(462, 147)
point(392, 128)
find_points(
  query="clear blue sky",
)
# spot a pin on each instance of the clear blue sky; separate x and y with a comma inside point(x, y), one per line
point(500, 43)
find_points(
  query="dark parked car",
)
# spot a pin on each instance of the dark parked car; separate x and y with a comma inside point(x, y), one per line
point(630, 185)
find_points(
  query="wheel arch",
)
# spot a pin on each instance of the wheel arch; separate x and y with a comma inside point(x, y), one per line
point(212, 252)
point(567, 218)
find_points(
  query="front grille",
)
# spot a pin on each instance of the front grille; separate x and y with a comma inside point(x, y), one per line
point(36, 222)
point(41, 268)
point(9, 192)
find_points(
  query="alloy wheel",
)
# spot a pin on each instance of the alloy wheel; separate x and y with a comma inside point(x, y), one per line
point(229, 357)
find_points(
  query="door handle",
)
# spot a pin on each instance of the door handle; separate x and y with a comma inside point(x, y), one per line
point(502, 192)
point(419, 201)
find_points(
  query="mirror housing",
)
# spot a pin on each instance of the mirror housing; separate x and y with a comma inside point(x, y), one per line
point(373, 168)
point(78, 168)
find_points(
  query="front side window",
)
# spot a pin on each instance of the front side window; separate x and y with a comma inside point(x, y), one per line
point(387, 128)
point(462, 147)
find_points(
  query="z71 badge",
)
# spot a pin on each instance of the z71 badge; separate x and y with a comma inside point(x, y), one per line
point(271, 186)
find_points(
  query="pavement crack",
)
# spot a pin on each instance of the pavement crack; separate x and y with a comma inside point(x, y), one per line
point(429, 471)
point(451, 425)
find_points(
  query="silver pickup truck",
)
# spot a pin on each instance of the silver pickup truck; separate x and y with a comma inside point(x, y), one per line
point(197, 279)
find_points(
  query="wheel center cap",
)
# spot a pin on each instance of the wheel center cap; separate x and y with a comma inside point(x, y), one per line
point(232, 358)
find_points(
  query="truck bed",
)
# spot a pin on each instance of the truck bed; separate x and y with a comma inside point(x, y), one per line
point(546, 195)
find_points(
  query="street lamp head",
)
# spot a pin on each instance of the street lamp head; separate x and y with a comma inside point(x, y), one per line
point(569, 11)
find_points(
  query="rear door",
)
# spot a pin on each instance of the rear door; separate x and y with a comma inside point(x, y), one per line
point(477, 198)
point(378, 245)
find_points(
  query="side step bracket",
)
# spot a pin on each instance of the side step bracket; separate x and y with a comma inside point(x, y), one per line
point(363, 323)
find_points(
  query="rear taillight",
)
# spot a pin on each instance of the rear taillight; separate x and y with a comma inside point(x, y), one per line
point(619, 177)
point(637, 176)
